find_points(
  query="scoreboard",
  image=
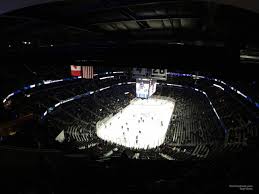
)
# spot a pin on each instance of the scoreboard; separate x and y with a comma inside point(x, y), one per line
point(146, 80)
point(152, 87)
point(142, 88)
point(145, 88)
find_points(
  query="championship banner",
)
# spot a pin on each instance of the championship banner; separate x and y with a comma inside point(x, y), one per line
point(141, 73)
point(159, 74)
point(156, 74)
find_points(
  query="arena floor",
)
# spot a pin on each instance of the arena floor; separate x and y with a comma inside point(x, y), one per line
point(142, 124)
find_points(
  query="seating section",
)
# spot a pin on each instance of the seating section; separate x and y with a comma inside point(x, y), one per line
point(39, 99)
point(83, 114)
point(240, 122)
point(193, 121)
point(194, 132)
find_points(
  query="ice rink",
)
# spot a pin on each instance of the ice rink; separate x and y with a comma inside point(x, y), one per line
point(142, 124)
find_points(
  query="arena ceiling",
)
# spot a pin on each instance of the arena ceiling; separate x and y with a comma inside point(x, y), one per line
point(100, 29)
point(11, 5)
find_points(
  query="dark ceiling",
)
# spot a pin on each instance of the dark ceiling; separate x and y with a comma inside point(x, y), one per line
point(126, 31)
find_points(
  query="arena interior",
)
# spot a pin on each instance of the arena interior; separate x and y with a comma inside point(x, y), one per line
point(129, 97)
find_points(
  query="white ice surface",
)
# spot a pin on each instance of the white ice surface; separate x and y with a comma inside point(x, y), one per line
point(142, 124)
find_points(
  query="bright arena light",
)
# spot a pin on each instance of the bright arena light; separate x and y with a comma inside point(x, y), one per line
point(141, 125)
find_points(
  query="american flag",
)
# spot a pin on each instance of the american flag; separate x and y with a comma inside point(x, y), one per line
point(88, 72)
point(75, 70)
